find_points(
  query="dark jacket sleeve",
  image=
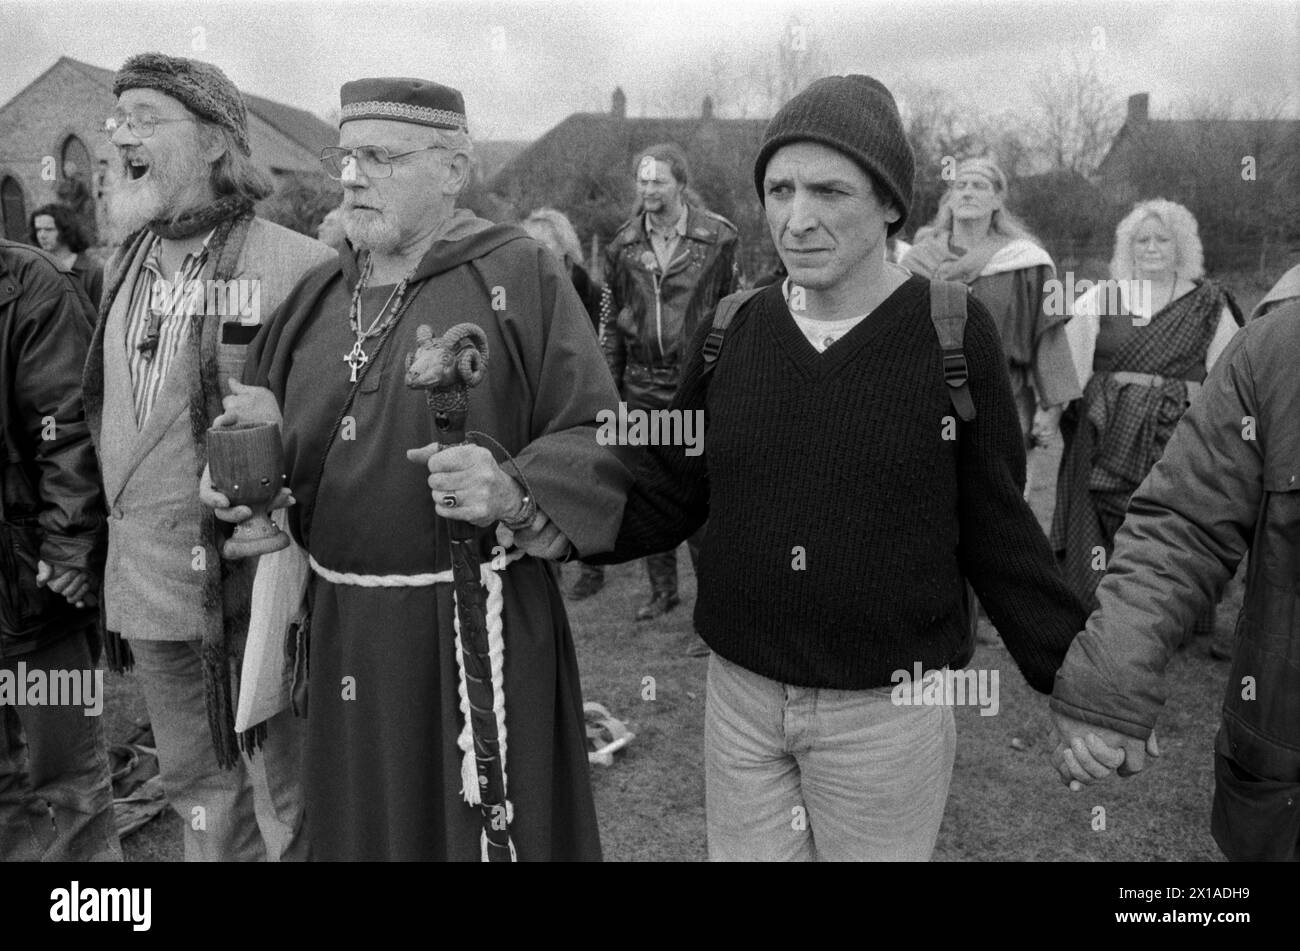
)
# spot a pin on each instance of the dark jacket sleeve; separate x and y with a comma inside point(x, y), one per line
point(50, 337)
point(1003, 551)
point(1188, 526)
point(590, 291)
point(578, 482)
point(669, 498)
point(94, 283)
point(728, 268)
point(612, 341)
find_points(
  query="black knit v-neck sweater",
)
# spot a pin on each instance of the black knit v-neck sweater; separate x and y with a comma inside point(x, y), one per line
point(842, 512)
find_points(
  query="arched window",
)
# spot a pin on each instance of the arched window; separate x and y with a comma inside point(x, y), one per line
point(75, 160)
point(13, 209)
point(76, 186)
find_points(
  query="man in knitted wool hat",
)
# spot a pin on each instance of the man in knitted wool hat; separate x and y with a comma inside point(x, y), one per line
point(846, 506)
point(183, 297)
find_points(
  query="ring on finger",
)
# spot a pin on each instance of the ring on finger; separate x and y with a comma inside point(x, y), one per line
point(449, 500)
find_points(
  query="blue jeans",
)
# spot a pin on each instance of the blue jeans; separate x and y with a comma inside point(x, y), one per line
point(250, 813)
point(56, 792)
point(802, 774)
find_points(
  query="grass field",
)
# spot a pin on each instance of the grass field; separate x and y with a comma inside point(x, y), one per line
point(1006, 804)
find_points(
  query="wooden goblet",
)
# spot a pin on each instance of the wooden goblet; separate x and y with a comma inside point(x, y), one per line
point(246, 463)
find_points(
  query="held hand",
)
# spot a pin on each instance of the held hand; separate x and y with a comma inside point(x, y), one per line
point(542, 539)
point(222, 508)
point(1047, 424)
point(1085, 753)
point(247, 404)
point(467, 484)
point(76, 586)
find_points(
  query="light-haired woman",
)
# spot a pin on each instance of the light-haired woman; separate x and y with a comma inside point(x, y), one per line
point(553, 229)
point(976, 240)
point(1142, 345)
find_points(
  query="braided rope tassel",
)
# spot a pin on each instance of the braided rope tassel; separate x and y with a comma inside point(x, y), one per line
point(491, 580)
point(489, 576)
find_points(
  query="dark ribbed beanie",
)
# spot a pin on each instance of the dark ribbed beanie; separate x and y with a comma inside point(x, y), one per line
point(200, 87)
point(855, 115)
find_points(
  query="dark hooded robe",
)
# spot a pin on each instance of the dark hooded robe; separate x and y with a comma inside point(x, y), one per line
point(382, 771)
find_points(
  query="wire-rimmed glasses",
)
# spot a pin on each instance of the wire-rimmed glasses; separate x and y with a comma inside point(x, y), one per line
point(372, 161)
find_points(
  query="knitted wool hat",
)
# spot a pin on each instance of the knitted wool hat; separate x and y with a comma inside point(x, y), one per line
point(855, 115)
point(201, 87)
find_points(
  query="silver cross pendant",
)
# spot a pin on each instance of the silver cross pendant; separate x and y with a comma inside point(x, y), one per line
point(356, 358)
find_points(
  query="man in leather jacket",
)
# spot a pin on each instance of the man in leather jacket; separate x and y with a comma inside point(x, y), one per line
point(56, 801)
point(667, 268)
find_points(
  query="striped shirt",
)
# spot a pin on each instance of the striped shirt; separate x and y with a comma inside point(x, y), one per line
point(176, 301)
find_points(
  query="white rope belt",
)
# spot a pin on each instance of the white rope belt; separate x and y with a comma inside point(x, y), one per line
point(490, 576)
point(1133, 378)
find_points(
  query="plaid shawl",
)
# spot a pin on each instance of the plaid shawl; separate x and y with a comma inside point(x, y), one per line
point(1116, 433)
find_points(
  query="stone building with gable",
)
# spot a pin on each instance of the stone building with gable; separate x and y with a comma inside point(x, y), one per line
point(1240, 177)
point(52, 145)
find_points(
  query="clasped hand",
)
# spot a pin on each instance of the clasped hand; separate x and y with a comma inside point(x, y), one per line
point(1085, 753)
point(1046, 425)
point(76, 586)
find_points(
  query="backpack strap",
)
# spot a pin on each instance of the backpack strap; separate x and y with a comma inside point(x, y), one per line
point(722, 317)
point(948, 314)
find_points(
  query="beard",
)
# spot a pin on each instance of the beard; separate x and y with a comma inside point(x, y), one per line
point(177, 182)
point(370, 231)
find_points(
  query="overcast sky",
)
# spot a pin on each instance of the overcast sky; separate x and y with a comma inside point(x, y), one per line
point(524, 66)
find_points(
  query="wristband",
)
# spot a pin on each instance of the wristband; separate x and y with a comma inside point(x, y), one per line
point(522, 518)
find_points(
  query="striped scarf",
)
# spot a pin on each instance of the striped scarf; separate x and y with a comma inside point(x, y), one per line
point(227, 591)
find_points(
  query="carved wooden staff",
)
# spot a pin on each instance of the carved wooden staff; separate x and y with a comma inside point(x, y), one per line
point(445, 368)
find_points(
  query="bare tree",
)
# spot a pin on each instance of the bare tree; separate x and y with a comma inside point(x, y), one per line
point(1077, 114)
point(1009, 138)
point(1233, 166)
point(940, 132)
point(761, 86)
point(800, 58)
point(722, 84)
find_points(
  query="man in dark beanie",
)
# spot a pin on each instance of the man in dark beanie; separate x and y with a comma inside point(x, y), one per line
point(184, 295)
point(846, 506)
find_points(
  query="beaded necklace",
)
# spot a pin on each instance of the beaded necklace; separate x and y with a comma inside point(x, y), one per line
point(356, 358)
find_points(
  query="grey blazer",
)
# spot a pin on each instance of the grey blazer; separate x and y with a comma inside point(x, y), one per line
point(153, 581)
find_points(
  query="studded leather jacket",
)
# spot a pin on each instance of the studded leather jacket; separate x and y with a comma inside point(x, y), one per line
point(653, 311)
